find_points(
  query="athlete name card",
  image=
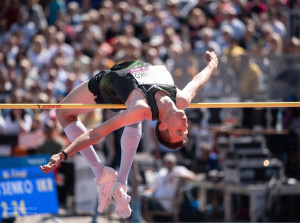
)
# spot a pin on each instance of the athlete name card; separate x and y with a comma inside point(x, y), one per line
point(152, 75)
point(25, 189)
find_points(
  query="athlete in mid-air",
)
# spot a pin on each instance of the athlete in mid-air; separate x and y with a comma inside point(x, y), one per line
point(148, 93)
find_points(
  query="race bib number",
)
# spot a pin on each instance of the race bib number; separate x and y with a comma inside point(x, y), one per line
point(152, 75)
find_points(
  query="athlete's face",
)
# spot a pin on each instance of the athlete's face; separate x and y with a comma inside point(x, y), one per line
point(177, 126)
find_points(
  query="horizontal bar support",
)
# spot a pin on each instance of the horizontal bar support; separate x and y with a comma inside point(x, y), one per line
point(122, 106)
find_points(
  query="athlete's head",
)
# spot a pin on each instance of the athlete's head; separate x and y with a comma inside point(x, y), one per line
point(172, 131)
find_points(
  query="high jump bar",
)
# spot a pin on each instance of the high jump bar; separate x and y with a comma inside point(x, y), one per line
point(122, 106)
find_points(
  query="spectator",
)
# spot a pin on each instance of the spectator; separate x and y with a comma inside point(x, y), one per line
point(171, 37)
point(103, 21)
point(80, 76)
point(275, 45)
point(147, 33)
point(89, 46)
point(2, 62)
point(37, 14)
point(49, 91)
point(153, 57)
point(28, 141)
point(148, 16)
point(224, 38)
point(134, 50)
point(276, 25)
point(50, 36)
point(249, 40)
point(17, 121)
point(205, 159)
point(11, 73)
point(28, 74)
point(120, 46)
point(74, 14)
point(87, 27)
point(257, 7)
point(3, 32)
point(250, 79)
point(79, 58)
point(51, 144)
point(24, 26)
point(231, 19)
point(11, 13)
point(38, 53)
point(59, 64)
point(196, 21)
point(114, 29)
point(55, 9)
point(62, 47)
point(176, 64)
point(5, 87)
point(173, 15)
point(167, 182)
point(201, 4)
point(123, 11)
point(206, 42)
point(233, 48)
point(37, 93)
point(158, 20)
point(294, 46)
point(37, 124)
point(11, 49)
point(86, 5)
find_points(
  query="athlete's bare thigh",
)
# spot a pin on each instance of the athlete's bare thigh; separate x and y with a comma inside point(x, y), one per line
point(79, 95)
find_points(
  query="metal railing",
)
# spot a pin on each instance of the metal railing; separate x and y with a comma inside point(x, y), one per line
point(246, 78)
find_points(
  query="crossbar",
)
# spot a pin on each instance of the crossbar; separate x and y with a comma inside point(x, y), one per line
point(122, 106)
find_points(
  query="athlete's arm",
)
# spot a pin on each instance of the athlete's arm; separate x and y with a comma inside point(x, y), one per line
point(92, 136)
point(185, 96)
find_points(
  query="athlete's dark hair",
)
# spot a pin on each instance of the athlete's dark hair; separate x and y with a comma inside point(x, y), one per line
point(164, 138)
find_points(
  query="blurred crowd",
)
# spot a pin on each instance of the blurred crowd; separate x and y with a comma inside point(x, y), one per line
point(49, 47)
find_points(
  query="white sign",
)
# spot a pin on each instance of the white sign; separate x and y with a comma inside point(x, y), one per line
point(152, 75)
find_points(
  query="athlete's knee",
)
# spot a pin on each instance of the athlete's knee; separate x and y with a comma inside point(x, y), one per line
point(64, 117)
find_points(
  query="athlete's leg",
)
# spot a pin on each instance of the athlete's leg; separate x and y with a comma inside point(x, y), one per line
point(68, 118)
point(105, 176)
point(129, 142)
point(79, 95)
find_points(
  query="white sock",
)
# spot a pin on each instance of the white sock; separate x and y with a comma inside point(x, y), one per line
point(73, 131)
point(129, 142)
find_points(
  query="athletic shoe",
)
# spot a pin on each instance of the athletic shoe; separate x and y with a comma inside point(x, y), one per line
point(122, 199)
point(104, 187)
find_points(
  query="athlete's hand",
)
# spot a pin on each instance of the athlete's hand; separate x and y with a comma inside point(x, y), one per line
point(54, 162)
point(211, 59)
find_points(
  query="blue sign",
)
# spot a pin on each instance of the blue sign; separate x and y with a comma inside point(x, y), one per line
point(24, 161)
point(26, 191)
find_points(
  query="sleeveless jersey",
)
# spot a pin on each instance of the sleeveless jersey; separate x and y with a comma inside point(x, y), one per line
point(113, 86)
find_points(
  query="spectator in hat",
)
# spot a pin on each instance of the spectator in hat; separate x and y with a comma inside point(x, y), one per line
point(223, 39)
point(206, 43)
point(231, 19)
point(167, 182)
